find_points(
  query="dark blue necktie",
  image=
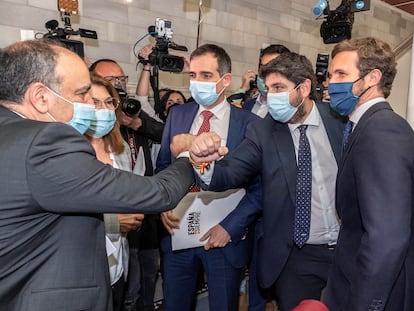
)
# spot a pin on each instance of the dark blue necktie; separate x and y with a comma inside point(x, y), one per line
point(303, 189)
point(347, 131)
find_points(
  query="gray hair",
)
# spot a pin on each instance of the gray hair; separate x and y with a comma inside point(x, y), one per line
point(24, 63)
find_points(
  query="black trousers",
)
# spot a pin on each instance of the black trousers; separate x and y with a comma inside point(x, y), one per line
point(304, 275)
point(118, 294)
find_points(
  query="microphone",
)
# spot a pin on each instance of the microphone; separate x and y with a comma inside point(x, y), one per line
point(319, 7)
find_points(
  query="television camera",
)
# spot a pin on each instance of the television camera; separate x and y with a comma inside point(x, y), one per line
point(338, 23)
point(321, 72)
point(159, 56)
point(62, 34)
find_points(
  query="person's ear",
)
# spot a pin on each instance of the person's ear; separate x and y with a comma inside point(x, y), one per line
point(39, 97)
point(227, 79)
point(374, 77)
point(305, 88)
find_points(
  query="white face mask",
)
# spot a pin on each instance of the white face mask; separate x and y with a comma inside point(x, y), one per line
point(83, 114)
point(204, 93)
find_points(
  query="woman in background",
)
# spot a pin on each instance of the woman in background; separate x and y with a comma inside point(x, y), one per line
point(169, 99)
point(110, 148)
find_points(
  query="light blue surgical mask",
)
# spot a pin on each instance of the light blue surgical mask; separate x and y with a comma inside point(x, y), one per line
point(204, 93)
point(102, 123)
point(279, 106)
point(261, 86)
point(83, 114)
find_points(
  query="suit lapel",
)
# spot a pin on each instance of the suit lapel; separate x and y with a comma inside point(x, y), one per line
point(362, 123)
point(235, 129)
point(184, 120)
point(333, 128)
point(283, 144)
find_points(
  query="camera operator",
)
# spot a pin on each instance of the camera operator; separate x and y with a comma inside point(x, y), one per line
point(137, 127)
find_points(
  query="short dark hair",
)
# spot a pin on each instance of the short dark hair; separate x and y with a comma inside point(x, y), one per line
point(223, 59)
point(102, 60)
point(24, 63)
point(296, 68)
point(273, 49)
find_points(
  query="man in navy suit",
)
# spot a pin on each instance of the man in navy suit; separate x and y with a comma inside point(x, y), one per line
point(227, 249)
point(374, 260)
point(295, 271)
point(257, 105)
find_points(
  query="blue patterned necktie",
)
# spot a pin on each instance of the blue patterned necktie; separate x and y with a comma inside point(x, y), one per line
point(347, 131)
point(303, 189)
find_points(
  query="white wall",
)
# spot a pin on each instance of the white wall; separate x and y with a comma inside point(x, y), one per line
point(240, 26)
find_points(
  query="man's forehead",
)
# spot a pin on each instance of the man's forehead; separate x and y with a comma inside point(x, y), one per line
point(72, 70)
point(276, 77)
point(108, 69)
point(345, 59)
point(207, 60)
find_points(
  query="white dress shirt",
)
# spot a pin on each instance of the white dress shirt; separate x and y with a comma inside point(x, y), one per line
point(260, 108)
point(324, 226)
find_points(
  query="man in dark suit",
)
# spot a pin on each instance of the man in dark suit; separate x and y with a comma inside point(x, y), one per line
point(227, 248)
point(53, 190)
point(294, 253)
point(257, 105)
point(374, 260)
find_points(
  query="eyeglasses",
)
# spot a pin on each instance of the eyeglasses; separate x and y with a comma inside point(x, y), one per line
point(110, 103)
point(113, 79)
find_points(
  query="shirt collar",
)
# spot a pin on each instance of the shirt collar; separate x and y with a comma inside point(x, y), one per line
point(218, 110)
point(357, 114)
point(313, 119)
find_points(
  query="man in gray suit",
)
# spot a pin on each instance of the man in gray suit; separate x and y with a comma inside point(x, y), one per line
point(53, 189)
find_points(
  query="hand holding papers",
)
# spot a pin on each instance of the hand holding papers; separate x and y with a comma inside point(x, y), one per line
point(198, 212)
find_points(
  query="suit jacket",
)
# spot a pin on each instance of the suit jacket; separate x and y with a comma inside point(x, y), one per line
point(268, 150)
point(52, 193)
point(374, 258)
point(249, 104)
point(179, 121)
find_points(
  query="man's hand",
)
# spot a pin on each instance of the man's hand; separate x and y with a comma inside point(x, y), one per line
point(132, 122)
point(128, 222)
point(217, 237)
point(206, 147)
point(145, 51)
point(249, 75)
point(181, 143)
point(170, 221)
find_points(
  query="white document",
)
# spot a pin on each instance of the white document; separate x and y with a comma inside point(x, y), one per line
point(199, 211)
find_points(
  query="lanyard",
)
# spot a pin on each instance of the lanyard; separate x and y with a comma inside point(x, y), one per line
point(133, 147)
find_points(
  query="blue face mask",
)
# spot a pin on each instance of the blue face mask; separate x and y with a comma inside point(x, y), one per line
point(343, 101)
point(204, 93)
point(279, 106)
point(102, 123)
point(83, 114)
point(261, 86)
